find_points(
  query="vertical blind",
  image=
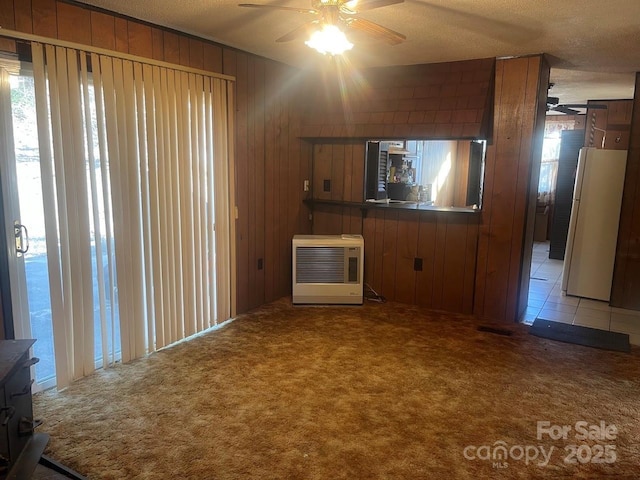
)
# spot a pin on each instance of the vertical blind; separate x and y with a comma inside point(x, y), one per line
point(137, 170)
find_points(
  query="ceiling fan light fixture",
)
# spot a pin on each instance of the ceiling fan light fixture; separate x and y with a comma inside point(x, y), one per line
point(330, 39)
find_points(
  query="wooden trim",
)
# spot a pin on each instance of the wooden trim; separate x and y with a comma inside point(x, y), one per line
point(101, 51)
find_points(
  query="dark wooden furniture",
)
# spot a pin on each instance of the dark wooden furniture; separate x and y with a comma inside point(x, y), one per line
point(21, 449)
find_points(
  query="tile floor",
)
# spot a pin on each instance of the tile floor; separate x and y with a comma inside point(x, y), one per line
point(547, 301)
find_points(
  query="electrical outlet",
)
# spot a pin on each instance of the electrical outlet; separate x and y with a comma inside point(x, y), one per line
point(306, 185)
point(417, 264)
point(326, 185)
point(260, 264)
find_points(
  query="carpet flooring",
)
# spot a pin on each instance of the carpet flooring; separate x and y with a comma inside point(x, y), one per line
point(382, 391)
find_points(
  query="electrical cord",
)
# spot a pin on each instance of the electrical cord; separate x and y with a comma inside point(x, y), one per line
point(373, 296)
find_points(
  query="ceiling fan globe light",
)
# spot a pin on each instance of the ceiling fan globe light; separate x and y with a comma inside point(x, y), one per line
point(330, 39)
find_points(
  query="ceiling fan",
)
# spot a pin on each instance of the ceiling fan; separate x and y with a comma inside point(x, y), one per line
point(554, 105)
point(338, 13)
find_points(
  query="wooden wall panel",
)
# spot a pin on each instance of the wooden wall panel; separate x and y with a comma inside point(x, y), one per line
point(427, 252)
point(337, 172)
point(74, 23)
point(453, 275)
point(271, 184)
point(532, 142)
point(140, 39)
point(280, 163)
point(122, 35)
point(247, 180)
point(171, 43)
point(196, 53)
point(473, 262)
point(445, 100)
point(471, 254)
point(239, 67)
point(23, 15)
point(357, 168)
point(505, 202)
point(389, 253)
point(287, 174)
point(368, 233)
point(625, 291)
point(352, 221)
point(612, 124)
point(7, 16)
point(407, 247)
point(272, 162)
point(8, 21)
point(343, 164)
point(377, 271)
point(439, 264)
point(347, 173)
point(507, 138)
point(322, 170)
point(258, 167)
point(394, 238)
point(157, 40)
point(44, 18)
point(212, 57)
point(327, 220)
point(103, 30)
point(184, 51)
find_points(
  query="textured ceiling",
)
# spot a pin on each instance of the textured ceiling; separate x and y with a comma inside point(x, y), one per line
point(593, 45)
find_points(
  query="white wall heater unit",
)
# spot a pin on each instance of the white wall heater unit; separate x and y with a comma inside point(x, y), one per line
point(328, 269)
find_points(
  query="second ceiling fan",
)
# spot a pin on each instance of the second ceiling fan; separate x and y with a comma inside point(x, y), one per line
point(337, 13)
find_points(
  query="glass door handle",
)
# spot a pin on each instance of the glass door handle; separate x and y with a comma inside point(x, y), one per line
point(22, 238)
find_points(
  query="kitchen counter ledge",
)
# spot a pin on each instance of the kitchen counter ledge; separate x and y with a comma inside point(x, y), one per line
point(397, 204)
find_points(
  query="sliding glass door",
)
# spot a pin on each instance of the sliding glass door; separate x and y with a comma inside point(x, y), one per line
point(118, 176)
point(24, 222)
point(27, 234)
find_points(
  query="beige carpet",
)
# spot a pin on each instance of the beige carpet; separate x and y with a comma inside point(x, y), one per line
point(380, 391)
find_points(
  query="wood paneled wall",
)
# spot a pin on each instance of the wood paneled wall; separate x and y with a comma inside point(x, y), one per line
point(472, 262)
point(343, 165)
point(439, 100)
point(446, 243)
point(513, 159)
point(271, 161)
point(613, 124)
point(625, 292)
point(272, 164)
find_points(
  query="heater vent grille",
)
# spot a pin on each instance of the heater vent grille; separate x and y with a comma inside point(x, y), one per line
point(320, 265)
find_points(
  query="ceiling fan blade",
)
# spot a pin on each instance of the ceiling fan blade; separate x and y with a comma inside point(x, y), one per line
point(371, 28)
point(278, 7)
point(565, 109)
point(299, 32)
point(356, 6)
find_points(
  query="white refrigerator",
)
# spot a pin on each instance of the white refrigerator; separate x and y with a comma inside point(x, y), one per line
point(593, 225)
